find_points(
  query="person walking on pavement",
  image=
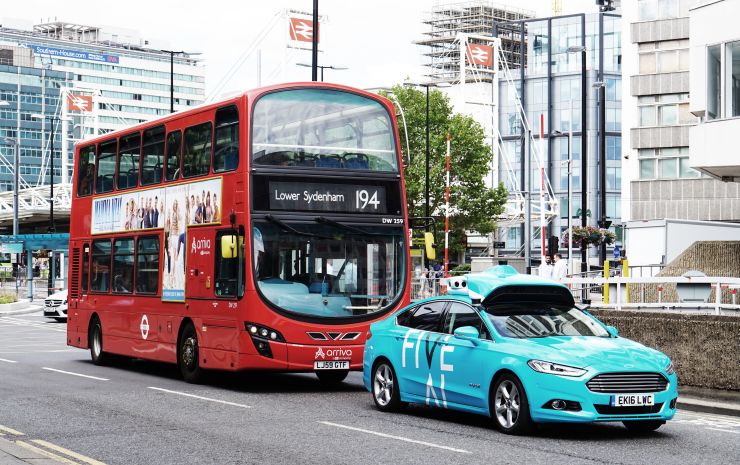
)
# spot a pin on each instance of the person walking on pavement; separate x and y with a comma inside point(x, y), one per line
point(560, 269)
point(545, 269)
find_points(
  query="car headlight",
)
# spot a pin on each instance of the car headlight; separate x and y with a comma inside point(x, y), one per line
point(670, 369)
point(554, 368)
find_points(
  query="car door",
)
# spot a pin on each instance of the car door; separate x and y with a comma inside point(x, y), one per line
point(417, 343)
point(463, 362)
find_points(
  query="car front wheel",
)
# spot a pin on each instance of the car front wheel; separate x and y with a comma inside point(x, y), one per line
point(509, 406)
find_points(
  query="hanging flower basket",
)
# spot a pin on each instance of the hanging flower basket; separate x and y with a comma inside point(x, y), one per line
point(591, 235)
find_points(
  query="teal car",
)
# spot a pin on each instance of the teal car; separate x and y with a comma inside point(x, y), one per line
point(516, 348)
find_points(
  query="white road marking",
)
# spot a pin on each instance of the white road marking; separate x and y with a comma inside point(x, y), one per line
point(724, 430)
point(75, 374)
point(7, 361)
point(233, 404)
point(398, 438)
point(68, 452)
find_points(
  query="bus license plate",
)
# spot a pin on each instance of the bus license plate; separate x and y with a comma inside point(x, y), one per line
point(633, 400)
point(331, 365)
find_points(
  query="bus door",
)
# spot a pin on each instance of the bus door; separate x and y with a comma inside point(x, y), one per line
point(199, 264)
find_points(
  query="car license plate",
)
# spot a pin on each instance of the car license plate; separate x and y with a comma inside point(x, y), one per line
point(633, 400)
point(331, 365)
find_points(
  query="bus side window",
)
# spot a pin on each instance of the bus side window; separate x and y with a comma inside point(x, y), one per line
point(86, 170)
point(106, 167)
point(147, 265)
point(85, 267)
point(226, 273)
point(174, 144)
point(123, 266)
point(129, 149)
point(101, 257)
point(152, 156)
point(196, 151)
point(226, 150)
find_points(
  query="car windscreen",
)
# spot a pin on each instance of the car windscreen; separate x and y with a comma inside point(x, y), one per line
point(534, 319)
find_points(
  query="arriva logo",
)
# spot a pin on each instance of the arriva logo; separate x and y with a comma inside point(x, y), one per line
point(199, 244)
point(336, 353)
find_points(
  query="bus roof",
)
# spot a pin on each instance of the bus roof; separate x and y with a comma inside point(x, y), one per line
point(249, 94)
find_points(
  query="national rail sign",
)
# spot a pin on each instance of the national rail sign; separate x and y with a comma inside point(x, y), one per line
point(481, 55)
point(300, 29)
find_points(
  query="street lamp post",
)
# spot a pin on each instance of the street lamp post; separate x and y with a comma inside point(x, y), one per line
point(603, 222)
point(584, 149)
point(172, 73)
point(322, 68)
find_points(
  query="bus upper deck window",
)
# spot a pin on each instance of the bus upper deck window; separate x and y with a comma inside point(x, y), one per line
point(106, 167)
point(129, 150)
point(196, 150)
point(152, 156)
point(174, 146)
point(226, 150)
point(86, 170)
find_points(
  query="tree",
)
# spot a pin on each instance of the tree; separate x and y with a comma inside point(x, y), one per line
point(473, 206)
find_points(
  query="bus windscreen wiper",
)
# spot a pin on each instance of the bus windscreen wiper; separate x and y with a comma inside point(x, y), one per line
point(336, 224)
point(285, 227)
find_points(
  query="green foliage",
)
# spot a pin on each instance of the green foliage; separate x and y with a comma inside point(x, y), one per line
point(473, 206)
point(460, 269)
point(592, 235)
point(7, 298)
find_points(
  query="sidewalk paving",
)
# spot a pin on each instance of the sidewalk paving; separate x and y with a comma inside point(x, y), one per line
point(709, 400)
point(31, 307)
point(13, 454)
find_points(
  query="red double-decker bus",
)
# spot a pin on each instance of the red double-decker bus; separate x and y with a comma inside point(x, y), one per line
point(266, 231)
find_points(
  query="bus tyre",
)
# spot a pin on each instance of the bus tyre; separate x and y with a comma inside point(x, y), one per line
point(95, 342)
point(643, 427)
point(331, 377)
point(188, 356)
point(509, 406)
point(385, 389)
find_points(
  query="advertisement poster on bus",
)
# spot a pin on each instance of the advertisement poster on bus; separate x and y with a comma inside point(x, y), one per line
point(131, 211)
point(176, 211)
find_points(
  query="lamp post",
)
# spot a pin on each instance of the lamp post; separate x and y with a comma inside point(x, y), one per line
point(172, 73)
point(322, 68)
point(584, 148)
point(603, 222)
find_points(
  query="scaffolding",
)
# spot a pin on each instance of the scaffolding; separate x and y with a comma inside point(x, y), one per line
point(474, 18)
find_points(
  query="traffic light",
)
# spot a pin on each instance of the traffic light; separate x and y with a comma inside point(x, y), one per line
point(552, 245)
point(430, 245)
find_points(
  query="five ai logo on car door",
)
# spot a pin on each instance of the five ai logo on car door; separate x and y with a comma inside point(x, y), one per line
point(413, 341)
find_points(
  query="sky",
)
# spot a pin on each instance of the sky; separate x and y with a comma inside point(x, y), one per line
point(372, 39)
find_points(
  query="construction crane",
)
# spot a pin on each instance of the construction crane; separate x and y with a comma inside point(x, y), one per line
point(557, 7)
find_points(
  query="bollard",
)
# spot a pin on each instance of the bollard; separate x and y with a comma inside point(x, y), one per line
point(660, 294)
point(734, 296)
point(626, 274)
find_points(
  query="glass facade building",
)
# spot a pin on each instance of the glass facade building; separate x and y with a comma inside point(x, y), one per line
point(549, 84)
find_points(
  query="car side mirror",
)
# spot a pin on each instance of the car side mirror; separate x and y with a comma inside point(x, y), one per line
point(613, 332)
point(468, 333)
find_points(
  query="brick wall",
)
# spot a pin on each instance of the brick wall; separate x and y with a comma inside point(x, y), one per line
point(704, 348)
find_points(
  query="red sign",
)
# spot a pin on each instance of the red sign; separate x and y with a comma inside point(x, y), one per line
point(480, 55)
point(79, 102)
point(301, 29)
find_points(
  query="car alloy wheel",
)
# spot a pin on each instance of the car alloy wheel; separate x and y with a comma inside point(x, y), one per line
point(507, 404)
point(383, 385)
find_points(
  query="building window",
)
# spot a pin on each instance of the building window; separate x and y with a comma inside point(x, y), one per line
point(714, 79)
point(666, 163)
point(665, 110)
point(651, 10)
point(733, 77)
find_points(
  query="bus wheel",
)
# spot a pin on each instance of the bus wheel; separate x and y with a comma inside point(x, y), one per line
point(331, 377)
point(95, 342)
point(188, 356)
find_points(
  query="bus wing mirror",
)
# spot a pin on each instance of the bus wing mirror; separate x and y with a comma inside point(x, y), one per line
point(429, 244)
point(228, 246)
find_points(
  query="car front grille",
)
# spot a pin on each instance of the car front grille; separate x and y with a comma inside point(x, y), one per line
point(610, 410)
point(618, 383)
point(53, 303)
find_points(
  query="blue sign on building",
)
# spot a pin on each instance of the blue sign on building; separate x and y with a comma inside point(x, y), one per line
point(77, 54)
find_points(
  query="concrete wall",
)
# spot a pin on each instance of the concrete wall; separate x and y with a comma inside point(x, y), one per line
point(686, 199)
point(704, 348)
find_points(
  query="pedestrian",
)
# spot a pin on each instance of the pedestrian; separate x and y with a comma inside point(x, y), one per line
point(560, 269)
point(545, 269)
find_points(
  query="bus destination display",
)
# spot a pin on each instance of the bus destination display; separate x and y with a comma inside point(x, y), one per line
point(313, 196)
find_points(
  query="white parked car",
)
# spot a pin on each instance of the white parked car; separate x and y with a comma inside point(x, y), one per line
point(55, 306)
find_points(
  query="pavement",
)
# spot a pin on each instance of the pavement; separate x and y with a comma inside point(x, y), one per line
point(53, 399)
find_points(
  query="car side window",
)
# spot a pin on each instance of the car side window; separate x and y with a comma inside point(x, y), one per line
point(460, 315)
point(428, 316)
